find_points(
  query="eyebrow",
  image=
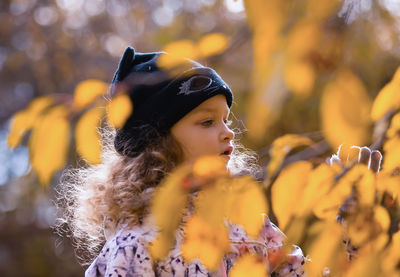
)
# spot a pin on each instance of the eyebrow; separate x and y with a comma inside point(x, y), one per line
point(212, 110)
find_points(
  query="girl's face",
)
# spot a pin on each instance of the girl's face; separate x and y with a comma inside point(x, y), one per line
point(205, 131)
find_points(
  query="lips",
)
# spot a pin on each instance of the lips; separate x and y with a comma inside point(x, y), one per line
point(228, 151)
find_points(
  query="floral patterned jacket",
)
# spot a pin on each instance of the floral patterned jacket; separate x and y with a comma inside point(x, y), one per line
point(125, 254)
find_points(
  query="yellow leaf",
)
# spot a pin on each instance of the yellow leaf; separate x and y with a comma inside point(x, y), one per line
point(300, 77)
point(392, 257)
point(212, 44)
point(389, 183)
point(366, 187)
point(248, 205)
point(321, 9)
point(48, 145)
point(17, 129)
point(366, 265)
point(87, 138)
point(292, 179)
point(212, 202)
point(391, 157)
point(167, 206)
point(249, 265)
point(118, 110)
point(328, 207)
point(281, 147)
point(177, 53)
point(319, 183)
point(388, 98)
point(39, 104)
point(88, 91)
point(204, 242)
point(266, 20)
point(303, 38)
point(24, 120)
point(207, 167)
point(344, 109)
point(326, 250)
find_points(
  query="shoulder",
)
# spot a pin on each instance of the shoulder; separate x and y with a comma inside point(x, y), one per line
point(125, 254)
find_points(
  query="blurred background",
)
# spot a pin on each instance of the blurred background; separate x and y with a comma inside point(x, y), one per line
point(279, 56)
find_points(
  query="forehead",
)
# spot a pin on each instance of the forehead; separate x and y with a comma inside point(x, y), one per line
point(216, 104)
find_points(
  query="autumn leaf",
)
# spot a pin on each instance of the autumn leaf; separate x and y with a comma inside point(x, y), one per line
point(249, 265)
point(212, 44)
point(359, 178)
point(248, 205)
point(367, 225)
point(281, 147)
point(288, 189)
point(87, 138)
point(303, 38)
point(118, 110)
point(366, 265)
point(391, 147)
point(387, 99)
point(320, 181)
point(86, 92)
point(391, 257)
point(300, 77)
point(344, 109)
point(168, 204)
point(24, 120)
point(212, 202)
point(210, 166)
point(205, 242)
point(326, 250)
point(176, 54)
point(266, 20)
point(48, 145)
point(321, 9)
point(387, 182)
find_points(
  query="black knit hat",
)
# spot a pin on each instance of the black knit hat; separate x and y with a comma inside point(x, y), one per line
point(160, 98)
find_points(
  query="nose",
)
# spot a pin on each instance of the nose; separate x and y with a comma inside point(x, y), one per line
point(227, 134)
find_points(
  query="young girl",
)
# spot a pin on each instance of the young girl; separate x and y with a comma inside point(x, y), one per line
point(176, 119)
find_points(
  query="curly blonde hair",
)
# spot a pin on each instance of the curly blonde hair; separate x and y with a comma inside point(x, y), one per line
point(95, 197)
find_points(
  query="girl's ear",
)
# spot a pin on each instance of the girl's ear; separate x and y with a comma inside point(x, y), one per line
point(124, 65)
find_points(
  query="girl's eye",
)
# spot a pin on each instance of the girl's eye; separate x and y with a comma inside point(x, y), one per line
point(207, 122)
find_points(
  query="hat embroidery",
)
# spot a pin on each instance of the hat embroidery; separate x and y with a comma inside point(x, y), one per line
point(195, 84)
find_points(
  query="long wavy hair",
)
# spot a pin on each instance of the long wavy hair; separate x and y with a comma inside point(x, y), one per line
point(94, 198)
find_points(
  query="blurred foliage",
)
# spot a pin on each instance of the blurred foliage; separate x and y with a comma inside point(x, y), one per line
point(312, 74)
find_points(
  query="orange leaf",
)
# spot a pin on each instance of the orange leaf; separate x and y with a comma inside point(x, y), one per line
point(248, 205)
point(281, 147)
point(391, 158)
point(204, 242)
point(87, 138)
point(24, 120)
point(207, 167)
point(300, 77)
point(288, 189)
point(167, 206)
point(303, 38)
point(48, 145)
point(326, 250)
point(319, 182)
point(249, 265)
point(177, 53)
point(118, 110)
point(212, 44)
point(345, 106)
point(87, 92)
point(387, 99)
